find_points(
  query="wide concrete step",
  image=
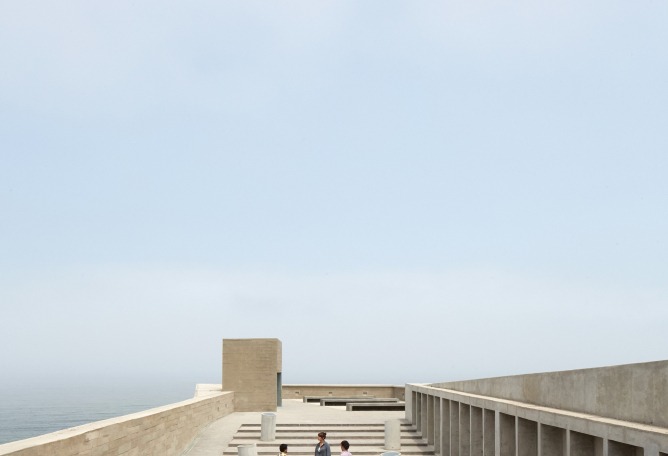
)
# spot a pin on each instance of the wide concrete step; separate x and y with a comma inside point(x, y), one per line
point(348, 431)
point(304, 430)
point(332, 437)
point(380, 426)
point(311, 432)
point(356, 449)
point(358, 452)
point(366, 439)
point(358, 442)
point(330, 431)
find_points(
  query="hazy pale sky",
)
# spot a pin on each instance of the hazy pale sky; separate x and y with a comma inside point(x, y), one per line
point(411, 191)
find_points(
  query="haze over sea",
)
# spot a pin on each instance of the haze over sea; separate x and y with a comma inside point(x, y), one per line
point(32, 410)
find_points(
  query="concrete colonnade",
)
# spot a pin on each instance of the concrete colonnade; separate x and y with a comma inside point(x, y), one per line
point(462, 424)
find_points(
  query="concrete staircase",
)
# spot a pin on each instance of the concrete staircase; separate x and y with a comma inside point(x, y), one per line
point(364, 439)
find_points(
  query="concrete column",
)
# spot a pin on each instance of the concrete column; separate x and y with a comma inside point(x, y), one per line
point(437, 425)
point(464, 430)
point(539, 441)
point(527, 437)
point(417, 417)
point(409, 405)
point(601, 446)
point(445, 428)
point(268, 427)
point(506, 435)
point(424, 421)
point(247, 450)
point(454, 428)
point(516, 436)
point(430, 419)
point(489, 432)
point(476, 432)
point(497, 433)
point(650, 450)
point(582, 444)
point(392, 435)
point(615, 448)
point(551, 440)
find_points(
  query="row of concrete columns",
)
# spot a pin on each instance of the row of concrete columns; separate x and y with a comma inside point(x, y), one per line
point(459, 429)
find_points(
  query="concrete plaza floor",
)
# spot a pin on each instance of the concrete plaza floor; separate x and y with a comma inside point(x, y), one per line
point(215, 439)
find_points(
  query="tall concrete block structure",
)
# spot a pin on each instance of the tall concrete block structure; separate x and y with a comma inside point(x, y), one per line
point(252, 369)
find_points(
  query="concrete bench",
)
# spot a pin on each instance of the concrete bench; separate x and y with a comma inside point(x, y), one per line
point(345, 401)
point(319, 398)
point(375, 406)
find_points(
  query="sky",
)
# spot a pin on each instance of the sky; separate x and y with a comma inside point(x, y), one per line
point(400, 191)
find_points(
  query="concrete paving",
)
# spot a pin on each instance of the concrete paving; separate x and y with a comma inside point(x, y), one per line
point(215, 439)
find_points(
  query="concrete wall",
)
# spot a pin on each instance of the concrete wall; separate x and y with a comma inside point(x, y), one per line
point(250, 369)
point(464, 424)
point(631, 392)
point(299, 391)
point(164, 431)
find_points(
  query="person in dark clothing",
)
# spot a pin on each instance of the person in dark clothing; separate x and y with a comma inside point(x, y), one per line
point(322, 447)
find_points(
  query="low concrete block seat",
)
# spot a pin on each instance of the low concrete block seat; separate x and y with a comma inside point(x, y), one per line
point(319, 398)
point(358, 406)
point(346, 401)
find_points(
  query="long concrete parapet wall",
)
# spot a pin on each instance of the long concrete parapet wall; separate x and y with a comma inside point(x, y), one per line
point(631, 392)
point(299, 391)
point(465, 424)
point(164, 431)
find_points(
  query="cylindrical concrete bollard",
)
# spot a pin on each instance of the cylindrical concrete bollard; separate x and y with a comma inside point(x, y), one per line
point(247, 450)
point(268, 429)
point(392, 437)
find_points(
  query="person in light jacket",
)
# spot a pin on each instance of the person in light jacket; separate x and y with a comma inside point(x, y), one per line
point(344, 448)
point(322, 447)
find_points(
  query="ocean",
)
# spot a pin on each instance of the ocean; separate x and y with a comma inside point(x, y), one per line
point(29, 411)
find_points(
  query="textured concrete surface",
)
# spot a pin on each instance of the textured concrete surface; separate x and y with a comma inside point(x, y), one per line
point(160, 431)
point(296, 391)
point(631, 392)
point(252, 368)
point(215, 439)
point(512, 428)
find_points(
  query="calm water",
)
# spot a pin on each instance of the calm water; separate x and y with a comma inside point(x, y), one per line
point(28, 411)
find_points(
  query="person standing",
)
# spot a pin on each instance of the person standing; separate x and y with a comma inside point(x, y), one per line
point(322, 447)
point(283, 448)
point(344, 448)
